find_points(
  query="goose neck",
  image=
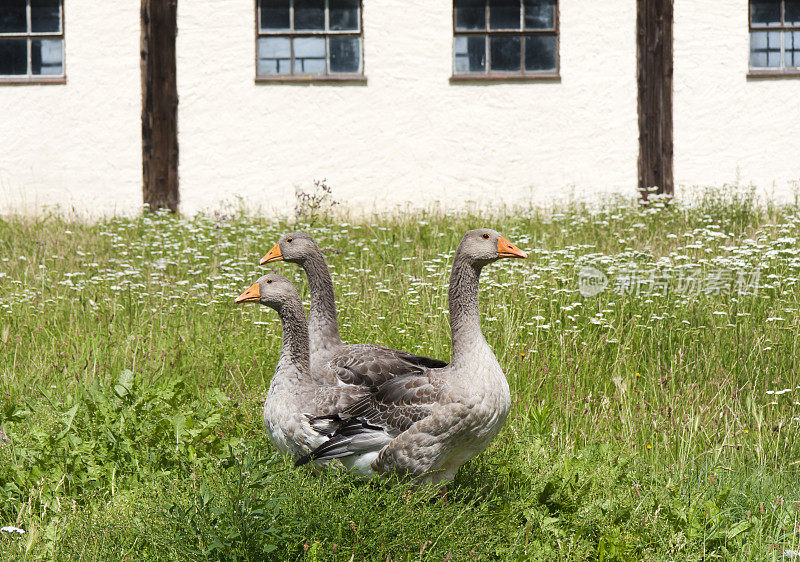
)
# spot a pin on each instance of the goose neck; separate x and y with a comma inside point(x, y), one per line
point(295, 349)
point(465, 321)
point(323, 326)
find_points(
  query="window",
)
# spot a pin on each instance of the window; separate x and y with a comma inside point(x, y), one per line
point(309, 39)
point(505, 38)
point(31, 41)
point(775, 36)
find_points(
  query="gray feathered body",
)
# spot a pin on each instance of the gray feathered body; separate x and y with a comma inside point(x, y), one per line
point(468, 415)
point(309, 382)
point(293, 401)
point(427, 421)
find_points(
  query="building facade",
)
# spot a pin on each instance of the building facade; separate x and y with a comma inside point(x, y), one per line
point(394, 103)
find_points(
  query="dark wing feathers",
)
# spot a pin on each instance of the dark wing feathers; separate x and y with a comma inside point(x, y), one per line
point(371, 365)
point(351, 435)
point(420, 360)
point(402, 401)
point(325, 425)
point(389, 409)
point(396, 403)
point(398, 392)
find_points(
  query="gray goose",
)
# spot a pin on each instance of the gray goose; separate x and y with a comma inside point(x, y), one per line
point(294, 402)
point(328, 352)
point(426, 423)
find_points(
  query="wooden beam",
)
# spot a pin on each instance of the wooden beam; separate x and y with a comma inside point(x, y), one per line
point(654, 69)
point(159, 104)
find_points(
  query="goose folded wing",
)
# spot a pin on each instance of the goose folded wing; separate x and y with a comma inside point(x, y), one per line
point(370, 423)
point(398, 402)
point(370, 367)
point(418, 360)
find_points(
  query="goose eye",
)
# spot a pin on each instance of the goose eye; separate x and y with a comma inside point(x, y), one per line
point(485, 236)
point(289, 239)
point(269, 281)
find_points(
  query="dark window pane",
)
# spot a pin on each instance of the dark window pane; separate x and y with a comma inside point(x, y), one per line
point(765, 49)
point(540, 52)
point(505, 53)
point(47, 57)
point(309, 55)
point(792, 12)
point(540, 14)
point(12, 16)
point(470, 14)
point(45, 15)
point(345, 54)
point(343, 14)
point(791, 41)
point(13, 56)
point(765, 12)
point(504, 14)
point(273, 55)
point(309, 14)
point(470, 53)
point(274, 14)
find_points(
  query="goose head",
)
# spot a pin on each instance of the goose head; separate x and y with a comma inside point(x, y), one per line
point(293, 247)
point(482, 246)
point(272, 290)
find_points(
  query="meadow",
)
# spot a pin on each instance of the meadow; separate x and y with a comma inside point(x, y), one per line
point(651, 350)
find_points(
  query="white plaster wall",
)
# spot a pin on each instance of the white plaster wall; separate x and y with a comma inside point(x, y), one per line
point(78, 144)
point(728, 128)
point(408, 136)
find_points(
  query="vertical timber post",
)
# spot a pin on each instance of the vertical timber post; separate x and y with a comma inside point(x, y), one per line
point(159, 104)
point(654, 69)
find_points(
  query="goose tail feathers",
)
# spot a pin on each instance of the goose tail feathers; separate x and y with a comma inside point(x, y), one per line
point(353, 437)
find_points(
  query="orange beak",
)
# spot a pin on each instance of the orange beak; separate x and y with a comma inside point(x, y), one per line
point(273, 255)
point(506, 249)
point(253, 294)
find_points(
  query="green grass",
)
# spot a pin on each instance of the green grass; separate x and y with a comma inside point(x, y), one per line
point(645, 424)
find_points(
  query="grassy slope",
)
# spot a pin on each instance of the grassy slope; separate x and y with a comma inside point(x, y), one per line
point(131, 389)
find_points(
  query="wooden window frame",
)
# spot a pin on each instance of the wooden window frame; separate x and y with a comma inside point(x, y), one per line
point(291, 33)
point(31, 35)
point(770, 72)
point(517, 75)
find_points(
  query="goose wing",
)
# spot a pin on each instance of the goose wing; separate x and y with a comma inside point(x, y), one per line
point(390, 408)
point(418, 360)
point(395, 404)
point(370, 366)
